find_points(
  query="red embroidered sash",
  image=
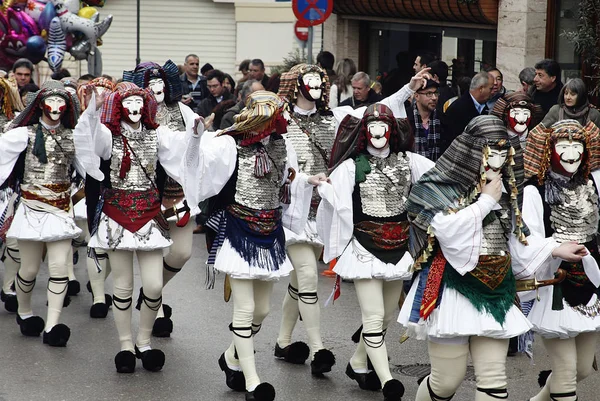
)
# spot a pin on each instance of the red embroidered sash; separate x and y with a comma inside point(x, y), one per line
point(131, 209)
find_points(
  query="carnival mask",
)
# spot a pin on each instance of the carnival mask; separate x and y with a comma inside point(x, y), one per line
point(157, 85)
point(311, 86)
point(378, 133)
point(54, 107)
point(567, 156)
point(519, 119)
point(133, 106)
point(495, 162)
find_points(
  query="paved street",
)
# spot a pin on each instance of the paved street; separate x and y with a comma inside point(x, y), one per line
point(85, 370)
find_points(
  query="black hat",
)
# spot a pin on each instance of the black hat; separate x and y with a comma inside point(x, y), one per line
point(430, 84)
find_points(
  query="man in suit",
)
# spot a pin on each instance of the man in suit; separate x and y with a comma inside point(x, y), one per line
point(468, 106)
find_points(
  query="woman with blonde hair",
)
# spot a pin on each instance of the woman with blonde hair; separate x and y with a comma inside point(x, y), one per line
point(342, 87)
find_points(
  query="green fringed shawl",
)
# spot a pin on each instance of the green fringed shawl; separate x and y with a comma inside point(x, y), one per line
point(362, 168)
point(495, 302)
point(39, 146)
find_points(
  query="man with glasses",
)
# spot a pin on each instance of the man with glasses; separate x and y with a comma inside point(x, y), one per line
point(426, 127)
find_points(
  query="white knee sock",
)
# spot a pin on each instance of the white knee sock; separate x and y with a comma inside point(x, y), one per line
point(122, 295)
point(151, 269)
point(12, 262)
point(489, 362)
point(290, 313)
point(448, 368)
point(59, 253)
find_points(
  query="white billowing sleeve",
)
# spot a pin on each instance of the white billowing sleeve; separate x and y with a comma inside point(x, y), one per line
point(93, 141)
point(459, 234)
point(12, 144)
point(335, 223)
point(419, 165)
point(396, 101)
point(333, 96)
point(295, 214)
point(206, 166)
point(172, 144)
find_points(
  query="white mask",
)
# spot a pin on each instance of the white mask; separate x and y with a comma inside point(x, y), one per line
point(496, 160)
point(158, 87)
point(312, 82)
point(570, 153)
point(54, 106)
point(134, 105)
point(379, 134)
point(519, 119)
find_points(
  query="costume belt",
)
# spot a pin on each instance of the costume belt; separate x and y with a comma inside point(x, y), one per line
point(61, 200)
point(78, 196)
point(174, 212)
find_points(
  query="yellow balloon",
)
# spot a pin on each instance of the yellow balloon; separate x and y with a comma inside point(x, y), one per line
point(87, 12)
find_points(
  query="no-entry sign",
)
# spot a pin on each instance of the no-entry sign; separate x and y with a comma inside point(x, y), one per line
point(312, 12)
point(301, 31)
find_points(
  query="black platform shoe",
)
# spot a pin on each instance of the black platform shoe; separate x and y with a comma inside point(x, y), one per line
point(366, 381)
point(125, 362)
point(296, 353)
point(152, 360)
point(322, 362)
point(73, 288)
point(234, 379)
point(99, 311)
point(163, 327)
point(393, 390)
point(58, 336)
point(262, 392)
point(31, 327)
point(10, 302)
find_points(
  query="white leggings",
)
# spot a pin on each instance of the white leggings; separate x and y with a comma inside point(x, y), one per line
point(251, 303)
point(571, 360)
point(301, 298)
point(151, 266)
point(179, 252)
point(449, 365)
point(12, 262)
point(378, 301)
point(31, 258)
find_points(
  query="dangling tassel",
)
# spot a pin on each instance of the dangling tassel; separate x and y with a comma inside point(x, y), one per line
point(262, 164)
point(92, 254)
point(126, 162)
point(184, 220)
point(39, 146)
point(285, 195)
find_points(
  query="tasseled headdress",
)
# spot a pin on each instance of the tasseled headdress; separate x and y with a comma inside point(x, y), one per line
point(290, 83)
point(147, 71)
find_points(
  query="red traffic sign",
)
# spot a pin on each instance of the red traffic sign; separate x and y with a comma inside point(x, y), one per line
point(312, 12)
point(301, 31)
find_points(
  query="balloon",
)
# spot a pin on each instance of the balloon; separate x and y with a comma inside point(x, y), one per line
point(81, 49)
point(70, 40)
point(87, 12)
point(36, 48)
point(34, 9)
point(73, 23)
point(95, 3)
point(46, 16)
point(57, 44)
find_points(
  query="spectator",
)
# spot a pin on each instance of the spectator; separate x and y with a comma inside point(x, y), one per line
point(229, 84)
point(206, 68)
point(423, 118)
point(376, 86)
point(342, 86)
point(218, 93)
point(273, 84)
point(84, 79)
point(219, 112)
point(526, 77)
point(256, 70)
point(326, 61)
point(23, 70)
point(439, 73)
point(547, 84)
point(572, 104)
point(462, 85)
point(468, 106)
point(362, 94)
point(244, 69)
point(251, 85)
point(60, 74)
point(498, 90)
point(25, 90)
point(193, 86)
point(423, 60)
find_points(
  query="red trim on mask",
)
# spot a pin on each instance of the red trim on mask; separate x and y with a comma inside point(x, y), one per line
point(557, 167)
point(387, 135)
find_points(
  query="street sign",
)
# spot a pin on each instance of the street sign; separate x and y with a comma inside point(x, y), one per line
point(301, 31)
point(312, 12)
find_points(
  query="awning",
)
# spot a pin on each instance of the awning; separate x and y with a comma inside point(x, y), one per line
point(478, 11)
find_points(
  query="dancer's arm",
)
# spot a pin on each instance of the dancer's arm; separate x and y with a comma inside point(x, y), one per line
point(12, 144)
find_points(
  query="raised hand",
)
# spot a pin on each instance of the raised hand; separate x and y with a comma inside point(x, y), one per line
point(493, 188)
point(420, 79)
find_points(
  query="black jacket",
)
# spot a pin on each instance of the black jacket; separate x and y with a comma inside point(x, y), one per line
point(458, 115)
point(372, 98)
point(207, 105)
point(201, 91)
point(227, 120)
point(547, 99)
